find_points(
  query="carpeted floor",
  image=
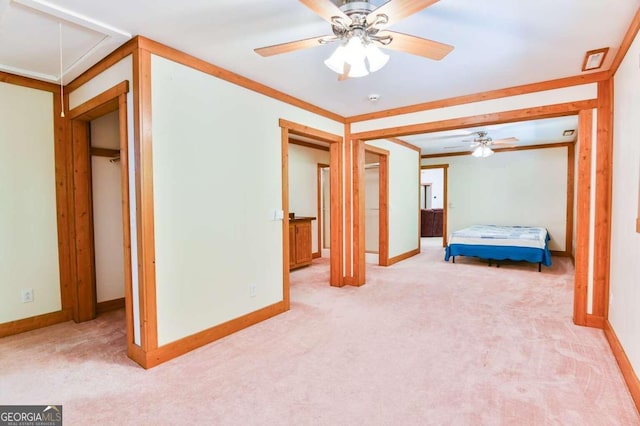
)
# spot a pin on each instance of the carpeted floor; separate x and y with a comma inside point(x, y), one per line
point(423, 343)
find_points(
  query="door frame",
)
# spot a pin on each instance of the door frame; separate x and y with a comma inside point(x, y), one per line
point(83, 261)
point(336, 143)
point(383, 204)
point(445, 201)
point(321, 215)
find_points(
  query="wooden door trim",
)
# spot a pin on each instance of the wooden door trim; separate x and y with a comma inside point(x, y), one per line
point(445, 200)
point(320, 216)
point(84, 288)
point(383, 207)
point(336, 207)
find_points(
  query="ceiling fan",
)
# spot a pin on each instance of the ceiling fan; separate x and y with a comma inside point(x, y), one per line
point(360, 29)
point(482, 144)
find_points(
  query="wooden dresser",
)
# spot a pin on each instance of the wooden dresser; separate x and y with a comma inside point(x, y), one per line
point(300, 242)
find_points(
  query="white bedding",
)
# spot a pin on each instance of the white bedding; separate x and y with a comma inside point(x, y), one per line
point(493, 235)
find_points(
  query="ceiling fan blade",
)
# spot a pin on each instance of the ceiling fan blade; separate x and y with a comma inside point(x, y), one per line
point(505, 140)
point(345, 73)
point(325, 9)
point(416, 45)
point(398, 9)
point(291, 46)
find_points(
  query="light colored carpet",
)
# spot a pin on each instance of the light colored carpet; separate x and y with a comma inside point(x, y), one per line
point(423, 343)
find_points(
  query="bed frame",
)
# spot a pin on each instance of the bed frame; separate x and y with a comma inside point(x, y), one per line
point(496, 249)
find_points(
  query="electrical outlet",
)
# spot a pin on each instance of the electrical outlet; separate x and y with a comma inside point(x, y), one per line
point(252, 290)
point(27, 295)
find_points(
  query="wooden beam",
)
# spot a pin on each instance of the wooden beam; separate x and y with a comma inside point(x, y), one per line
point(404, 143)
point(510, 149)
point(546, 111)
point(583, 219)
point(604, 174)
point(571, 175)
point(484, 96)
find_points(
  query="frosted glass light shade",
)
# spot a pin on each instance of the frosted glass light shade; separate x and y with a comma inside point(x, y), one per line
point(482, 151)
point(358, 69)
point(362, 57)
point(376, 58)
point(355, 50)
point(336, 61)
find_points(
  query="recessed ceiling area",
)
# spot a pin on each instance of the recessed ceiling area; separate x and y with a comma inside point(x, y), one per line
point(44, 41)
point(533, 132)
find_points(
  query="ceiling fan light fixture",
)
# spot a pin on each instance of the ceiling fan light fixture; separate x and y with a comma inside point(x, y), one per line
point(482, 151)
point(362, 56)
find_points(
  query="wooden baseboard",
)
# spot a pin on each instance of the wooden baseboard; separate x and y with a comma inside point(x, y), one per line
point(403, 256)
point(594, 321)
point(560, 253)
point(189, 343)
point(316, 255)
point(626, 368)
point(110, 305)
point(33, 323)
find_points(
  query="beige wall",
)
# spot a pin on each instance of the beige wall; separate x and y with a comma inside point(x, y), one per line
point(403, 197)
point(28, 227)
point(372, 209)
point(624, 298)
point(217, 181)
point(107, 210)
point(303, 184)
point(526, 188)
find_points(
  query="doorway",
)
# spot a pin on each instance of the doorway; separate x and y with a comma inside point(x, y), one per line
point(376, 202)
point(106, 195)
point(324, 209)
point(433, 204)
point(334, 143)
point(103, 120)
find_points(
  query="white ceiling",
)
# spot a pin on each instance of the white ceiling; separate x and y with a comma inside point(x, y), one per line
point(534, 132)
point(498, 43)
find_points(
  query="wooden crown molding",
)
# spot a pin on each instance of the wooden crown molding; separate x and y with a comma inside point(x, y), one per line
point(630, 35)
point(404, 143)
point(32, 83)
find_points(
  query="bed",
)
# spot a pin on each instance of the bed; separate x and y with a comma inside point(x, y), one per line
point(495, 243)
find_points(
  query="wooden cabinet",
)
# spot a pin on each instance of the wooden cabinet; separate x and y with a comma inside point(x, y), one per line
point(300, 242)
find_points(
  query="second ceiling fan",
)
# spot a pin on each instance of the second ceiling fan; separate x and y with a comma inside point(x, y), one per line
point(360, 28)
point(482, 144)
